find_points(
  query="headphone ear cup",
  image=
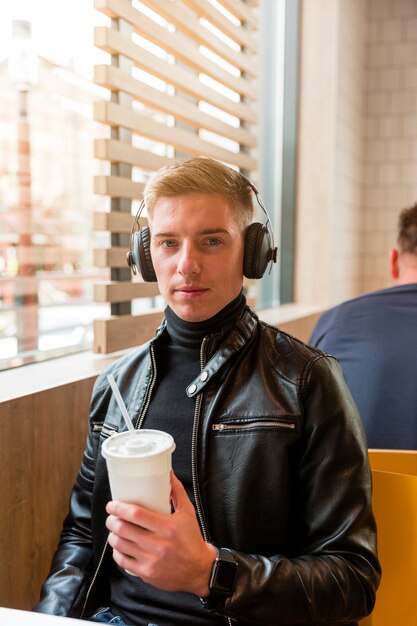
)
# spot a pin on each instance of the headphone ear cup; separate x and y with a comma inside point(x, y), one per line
point(257, 251)
point(142, 251)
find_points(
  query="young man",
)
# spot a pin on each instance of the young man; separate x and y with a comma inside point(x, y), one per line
point(271, 497)
point(375, 339)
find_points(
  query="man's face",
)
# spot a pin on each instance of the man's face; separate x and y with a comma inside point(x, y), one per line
point(197, 252)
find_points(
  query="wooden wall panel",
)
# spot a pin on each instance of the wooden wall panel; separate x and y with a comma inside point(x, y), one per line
point(41, 444)
point(114, 291)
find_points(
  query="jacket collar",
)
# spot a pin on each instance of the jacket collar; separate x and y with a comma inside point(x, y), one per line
point(233, 342)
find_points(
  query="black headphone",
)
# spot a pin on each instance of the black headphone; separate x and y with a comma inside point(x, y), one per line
point(260, 248)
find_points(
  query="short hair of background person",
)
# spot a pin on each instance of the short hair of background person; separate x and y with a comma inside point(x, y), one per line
point(374, 337)
point(403, 258)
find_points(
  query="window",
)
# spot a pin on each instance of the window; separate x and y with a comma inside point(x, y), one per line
point(82, 123)
point(46, 174)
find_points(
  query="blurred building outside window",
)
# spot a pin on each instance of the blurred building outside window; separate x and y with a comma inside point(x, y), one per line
point(46, 180)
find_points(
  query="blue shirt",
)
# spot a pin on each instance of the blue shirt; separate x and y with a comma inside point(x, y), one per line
point(374, 337)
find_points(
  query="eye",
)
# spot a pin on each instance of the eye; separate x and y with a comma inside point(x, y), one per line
point(168, 243)
point(212, 241)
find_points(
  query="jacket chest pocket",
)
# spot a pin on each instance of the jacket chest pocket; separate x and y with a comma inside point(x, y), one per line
point(255, 424)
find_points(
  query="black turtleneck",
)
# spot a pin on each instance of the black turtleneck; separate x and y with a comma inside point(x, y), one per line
point(171, 410)
point(192, 333)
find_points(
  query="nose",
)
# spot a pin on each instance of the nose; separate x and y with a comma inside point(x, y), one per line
point(188, 261)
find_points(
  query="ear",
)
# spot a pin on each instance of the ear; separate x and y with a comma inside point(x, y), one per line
point(394, 267)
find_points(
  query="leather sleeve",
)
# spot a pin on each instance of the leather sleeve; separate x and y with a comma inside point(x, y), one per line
point(333, 577)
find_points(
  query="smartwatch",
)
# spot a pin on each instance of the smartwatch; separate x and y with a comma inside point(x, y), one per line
point(223, 574)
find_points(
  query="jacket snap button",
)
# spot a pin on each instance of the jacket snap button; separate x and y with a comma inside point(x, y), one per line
point(192, 388)
point(203, 376)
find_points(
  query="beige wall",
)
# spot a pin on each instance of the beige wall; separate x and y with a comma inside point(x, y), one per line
point(347, 208)
point(317, 132)
point(357, 143)
point(390, 129)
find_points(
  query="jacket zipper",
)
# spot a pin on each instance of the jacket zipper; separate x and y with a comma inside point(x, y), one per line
point(93, 580)
point(151, 386)
point(194, 459)
point(193, 450)
point(255, 424)
point(110, 431)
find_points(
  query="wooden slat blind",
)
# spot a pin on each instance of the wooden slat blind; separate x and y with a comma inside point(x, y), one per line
point(182, 82)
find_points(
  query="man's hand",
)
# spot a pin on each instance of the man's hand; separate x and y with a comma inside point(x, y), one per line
point(166, 551)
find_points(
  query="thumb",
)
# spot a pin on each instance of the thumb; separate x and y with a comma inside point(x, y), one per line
point(179, 496)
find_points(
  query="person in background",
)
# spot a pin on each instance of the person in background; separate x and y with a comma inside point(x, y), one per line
point(271, 517)
point(374, 337)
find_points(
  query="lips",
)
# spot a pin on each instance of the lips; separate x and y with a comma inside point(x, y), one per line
point(190, 290)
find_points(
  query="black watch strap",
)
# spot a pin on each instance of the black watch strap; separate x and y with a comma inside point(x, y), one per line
point(223, 574)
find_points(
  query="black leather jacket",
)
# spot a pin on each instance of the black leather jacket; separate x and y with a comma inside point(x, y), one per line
point(281, 477)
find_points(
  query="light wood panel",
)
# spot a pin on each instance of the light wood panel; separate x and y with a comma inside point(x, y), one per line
point(114, 79)
point(114, 291)
point(173, 42)
point(124, 331)
point(236, 33)
point(242, 11)
point(114, 222)
point(110, 257)
point(116, 151)
point(114, 42)
point(187, 21)
point(117, 187)
point(117, 115)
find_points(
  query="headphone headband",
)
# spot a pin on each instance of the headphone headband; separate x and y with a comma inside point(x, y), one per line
point(130, 255)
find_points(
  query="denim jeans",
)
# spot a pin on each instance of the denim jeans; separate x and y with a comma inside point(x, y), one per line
point(105, 616)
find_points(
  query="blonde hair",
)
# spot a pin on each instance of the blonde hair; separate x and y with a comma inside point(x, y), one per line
point(202, 175)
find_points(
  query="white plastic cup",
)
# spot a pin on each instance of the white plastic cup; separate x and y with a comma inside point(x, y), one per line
point(139, 466)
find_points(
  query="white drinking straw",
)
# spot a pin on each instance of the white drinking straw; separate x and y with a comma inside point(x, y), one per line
point(120, 402)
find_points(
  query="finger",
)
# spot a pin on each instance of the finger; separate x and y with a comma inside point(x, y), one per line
point(135, 514)
point(125, 529)
point(121, 559)
point(134, 541)
point(132, 565)
point(126, 562)
point(124, 546)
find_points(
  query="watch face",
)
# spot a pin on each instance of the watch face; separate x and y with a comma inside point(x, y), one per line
point(224, 575)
